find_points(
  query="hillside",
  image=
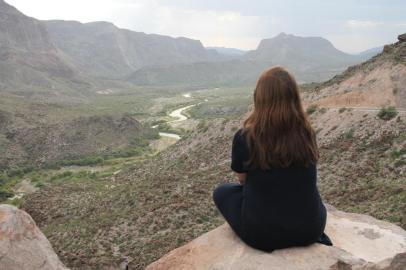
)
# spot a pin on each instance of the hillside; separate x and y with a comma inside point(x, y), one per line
point(101, 49)
point(26, 142)
point(30, 64)
point(165, 201)
point(380, 81)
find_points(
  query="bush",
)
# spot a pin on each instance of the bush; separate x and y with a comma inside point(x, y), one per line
point(5, 194)
point(202, 126)
point(62, 175)
point(397, 153)
point(387, 113)
point(349, 134)
point(322, 110)
point(87, 161)
point(341, 110)
point(311, 109)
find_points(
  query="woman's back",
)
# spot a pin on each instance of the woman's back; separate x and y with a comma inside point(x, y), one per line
point(274, 155)
point(280, 205)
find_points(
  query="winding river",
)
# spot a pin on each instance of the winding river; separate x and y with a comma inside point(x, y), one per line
point(179, 117)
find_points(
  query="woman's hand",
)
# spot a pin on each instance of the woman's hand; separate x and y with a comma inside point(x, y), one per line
point(241, 177)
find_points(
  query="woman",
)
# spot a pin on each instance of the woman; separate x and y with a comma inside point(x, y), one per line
point(277, 204)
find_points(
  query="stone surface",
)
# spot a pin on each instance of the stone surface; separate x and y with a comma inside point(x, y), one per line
point(402, 37)
point(360, 242)
point(387, 48)
point(22, 244)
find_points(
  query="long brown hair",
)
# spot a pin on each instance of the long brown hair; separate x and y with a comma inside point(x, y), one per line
point(278, 131)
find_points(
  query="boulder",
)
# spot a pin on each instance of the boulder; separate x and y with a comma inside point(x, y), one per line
point(387, 48)
point(22, 245)
point(360, 243)
point(402, 37)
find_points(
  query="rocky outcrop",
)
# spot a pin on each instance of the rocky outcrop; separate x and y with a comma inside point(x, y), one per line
point(377, 82)
point(360, 242)
point(22, 244)
point(402, 37)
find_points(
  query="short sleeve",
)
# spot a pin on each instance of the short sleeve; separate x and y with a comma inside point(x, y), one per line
point(238, 153)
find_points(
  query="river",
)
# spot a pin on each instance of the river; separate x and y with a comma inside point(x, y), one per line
point(179, 117)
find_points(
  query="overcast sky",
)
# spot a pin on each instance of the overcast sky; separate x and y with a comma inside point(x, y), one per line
point(351, 25)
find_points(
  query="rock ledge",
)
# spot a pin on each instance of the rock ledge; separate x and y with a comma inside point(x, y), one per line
point(360, 243)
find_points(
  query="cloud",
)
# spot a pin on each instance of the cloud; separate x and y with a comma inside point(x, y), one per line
point(354, 25)
point(362, 23)
point(212, 27)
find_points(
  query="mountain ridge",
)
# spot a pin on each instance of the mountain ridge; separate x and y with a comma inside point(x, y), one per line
point(117, 51)
point(58, 58)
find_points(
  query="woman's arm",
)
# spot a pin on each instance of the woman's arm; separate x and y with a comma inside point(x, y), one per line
point(241, 177)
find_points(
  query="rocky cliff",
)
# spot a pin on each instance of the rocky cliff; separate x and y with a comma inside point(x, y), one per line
point(104, 50)
point(360, 242)
point(22, 244)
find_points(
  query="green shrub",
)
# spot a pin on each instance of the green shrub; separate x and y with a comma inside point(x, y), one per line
point(341, 110)
point(387, 113)
point(322, 110)
point(15, 172)
point(5, 194)
point(202, 126)
point(397, 153)
point(87, 161)
point(311, 109)
point(349, 134)
point(62, 175)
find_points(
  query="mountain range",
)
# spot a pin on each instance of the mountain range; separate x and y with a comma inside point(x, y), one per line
point(68, 58)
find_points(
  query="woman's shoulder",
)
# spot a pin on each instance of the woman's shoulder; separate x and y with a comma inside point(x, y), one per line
point(239, 135)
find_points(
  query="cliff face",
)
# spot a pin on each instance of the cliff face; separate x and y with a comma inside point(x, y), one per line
point(102, 49)
point(22, 244)
point(360, 242)
point(30, 64)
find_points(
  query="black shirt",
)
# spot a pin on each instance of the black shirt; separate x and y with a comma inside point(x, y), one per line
point(281, 206)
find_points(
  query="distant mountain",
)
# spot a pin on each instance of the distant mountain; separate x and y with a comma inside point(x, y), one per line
point(308, 58)
point(30, 64)
point(228, 51)
point(371, 52)
point(233, 72)
point(101, 49)
point(301, 52)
